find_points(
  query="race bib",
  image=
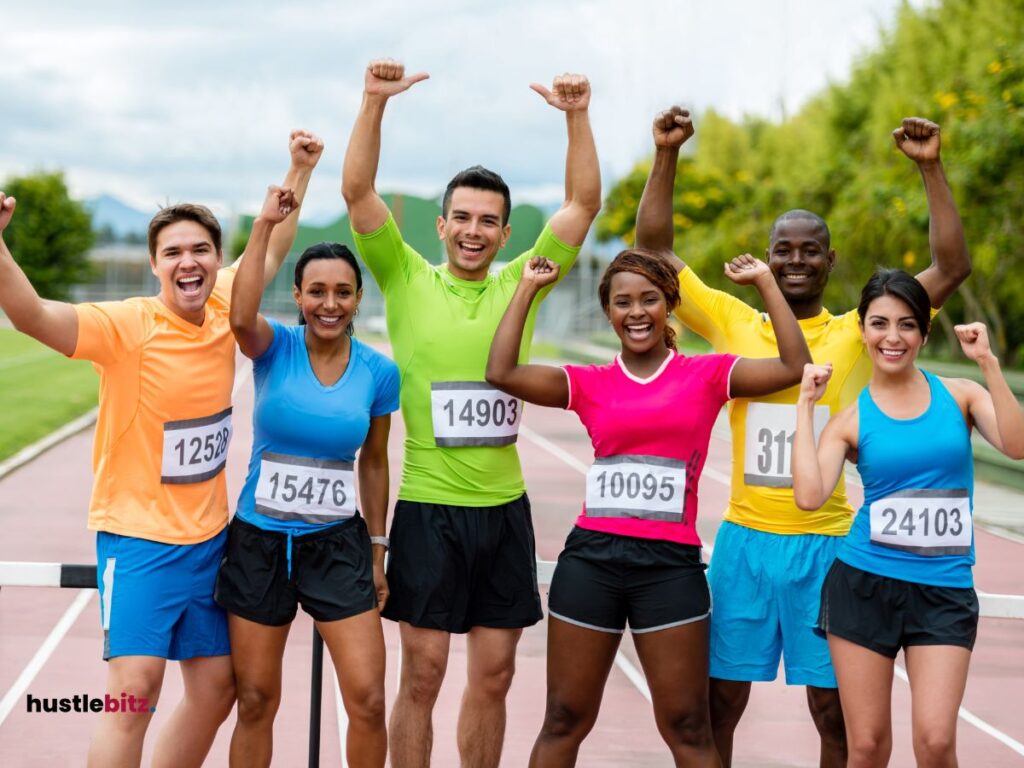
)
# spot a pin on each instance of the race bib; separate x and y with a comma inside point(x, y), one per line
point(310, 490)
point(195, 449)
point(642, 487)
point(935, 521)
point(473, 413)
point(768, 443)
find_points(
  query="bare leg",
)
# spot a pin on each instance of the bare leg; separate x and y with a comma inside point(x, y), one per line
point(491, 664)
point(675, 662)
point(117, 740)
point(865, 688)
point(256, 654)
point(827, 713)
point(728, 701)
point(578, 662)
point(938, 677)
point(209, 696)
point(356, 645)
point(424, 663)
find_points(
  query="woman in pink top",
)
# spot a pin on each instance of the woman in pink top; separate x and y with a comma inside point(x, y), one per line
point(634, 554)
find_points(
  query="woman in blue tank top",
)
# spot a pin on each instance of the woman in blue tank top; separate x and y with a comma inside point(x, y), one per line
point(297, 537)
point(902, 577)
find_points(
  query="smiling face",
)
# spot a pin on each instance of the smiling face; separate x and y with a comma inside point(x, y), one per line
point(185, 262)
point(638, 312)
point(800, 258)
point(473, 231)
point(892, 334)
point(328, 298)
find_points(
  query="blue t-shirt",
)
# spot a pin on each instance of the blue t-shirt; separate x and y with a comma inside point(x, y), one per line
point(918, 474)
point(298, 422)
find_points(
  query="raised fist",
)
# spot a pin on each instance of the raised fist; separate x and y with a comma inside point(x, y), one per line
point(918, 139)
point(386, 77)
point(746, 270)
point(305, 148)
point(278, 204)
point(672, 128)
point(973, 340)
point(568, 92)
point(6, 210)
point(539, 272)
point(814, 381)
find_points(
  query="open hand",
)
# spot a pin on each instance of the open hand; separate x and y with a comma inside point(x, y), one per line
point(380, 584)
point(568, 92)
point(386, 77)
point(672, 127)
point(918, 139)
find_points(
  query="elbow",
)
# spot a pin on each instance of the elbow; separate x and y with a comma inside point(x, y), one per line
point(804, 501)
point(494, 377)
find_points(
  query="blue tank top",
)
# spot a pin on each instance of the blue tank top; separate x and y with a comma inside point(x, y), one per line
point(918, 474)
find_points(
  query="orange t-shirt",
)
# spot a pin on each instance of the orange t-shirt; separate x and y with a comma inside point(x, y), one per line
point(164, 416)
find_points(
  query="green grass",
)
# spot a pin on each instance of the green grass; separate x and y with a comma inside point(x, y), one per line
point(41, 390)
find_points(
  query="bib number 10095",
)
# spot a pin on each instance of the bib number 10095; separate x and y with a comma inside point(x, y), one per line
point(473, 413)
point(643, 487)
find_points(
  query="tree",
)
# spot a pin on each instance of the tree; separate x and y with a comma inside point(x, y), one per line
point(50, 234)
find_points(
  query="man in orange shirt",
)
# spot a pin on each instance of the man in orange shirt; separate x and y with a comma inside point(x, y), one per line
point(159, 501)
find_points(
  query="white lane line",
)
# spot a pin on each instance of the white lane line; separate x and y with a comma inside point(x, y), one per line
point(339, 706)
point(41, 656)
point(638, 679)
point(30, 452)
point(969, 717)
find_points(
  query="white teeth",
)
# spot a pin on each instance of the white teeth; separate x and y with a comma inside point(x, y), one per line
point(328, 320)
point(189, 279)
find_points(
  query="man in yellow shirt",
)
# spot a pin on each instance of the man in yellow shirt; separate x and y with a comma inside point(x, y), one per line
point(770, 557)
point(159, 501)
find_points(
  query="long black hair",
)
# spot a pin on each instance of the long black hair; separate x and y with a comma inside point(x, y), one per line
point(900, 285)
point(328, 251)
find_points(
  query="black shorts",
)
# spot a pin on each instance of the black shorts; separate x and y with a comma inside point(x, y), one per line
point(330, 574)
point(604, 580)
point(455, 568)
point(884, 614)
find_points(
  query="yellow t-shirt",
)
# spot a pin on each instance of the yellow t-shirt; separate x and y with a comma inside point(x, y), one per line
point(762, 495)
point(164, 416)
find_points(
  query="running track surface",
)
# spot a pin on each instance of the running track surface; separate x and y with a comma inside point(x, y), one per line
point(43, 512)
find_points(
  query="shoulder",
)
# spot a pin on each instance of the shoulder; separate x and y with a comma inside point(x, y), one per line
point(963, 391)
point(377, 362)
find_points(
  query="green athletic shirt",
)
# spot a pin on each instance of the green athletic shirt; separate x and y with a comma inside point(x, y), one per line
point(441, 329)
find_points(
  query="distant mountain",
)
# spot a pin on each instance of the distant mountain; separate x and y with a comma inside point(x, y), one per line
point(121, 220)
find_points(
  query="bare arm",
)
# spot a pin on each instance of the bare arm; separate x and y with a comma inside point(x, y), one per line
point(305, 149)
point(654, 228)
point(539, 384)
point(919, 140)
point(54, 323)
point(816, 470)
point(996, 412)
point(374, 478)
point(571, 94)
point(366, 209)
point(252, 332)
point(755, 377)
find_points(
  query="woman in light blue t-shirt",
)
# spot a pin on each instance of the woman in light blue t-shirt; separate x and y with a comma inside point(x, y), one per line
point(902, 576)
point(298, 537)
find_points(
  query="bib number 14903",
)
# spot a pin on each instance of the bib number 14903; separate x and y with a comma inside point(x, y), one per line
point(473, 413)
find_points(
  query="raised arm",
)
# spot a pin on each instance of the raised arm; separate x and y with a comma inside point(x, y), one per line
point(54, 323)
point(919, 140)
point(539, 384)
point(996, 412)
point(373, 470)
point(384, 79)
point(305, 149)
point(816, 470)
point(571, 94)
point(252, 332)
point(654, 228)
point(755, 377)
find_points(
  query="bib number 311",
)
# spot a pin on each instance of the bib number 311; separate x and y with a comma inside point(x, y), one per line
point(768, 443)
point(472, 413)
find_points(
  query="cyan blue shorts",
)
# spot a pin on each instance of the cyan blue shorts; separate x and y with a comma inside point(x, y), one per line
point(157, 599)
point(766, 591)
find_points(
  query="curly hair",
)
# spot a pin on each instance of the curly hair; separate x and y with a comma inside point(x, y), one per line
point(650, 265)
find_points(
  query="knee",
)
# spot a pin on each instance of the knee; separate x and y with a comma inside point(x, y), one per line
point(257, 703)
point(934, 746)
point(727, 701)
point(562, 720)
point(365, 704)
point(869, 748)
point(690, 728)
point(827, 713)
point(421, 681)
point(494, 681)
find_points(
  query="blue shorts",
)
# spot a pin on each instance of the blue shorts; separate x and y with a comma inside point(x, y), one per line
point(766, 592)
point(157, 599)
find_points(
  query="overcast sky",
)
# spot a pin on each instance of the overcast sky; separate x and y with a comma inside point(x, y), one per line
point(194, 100)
